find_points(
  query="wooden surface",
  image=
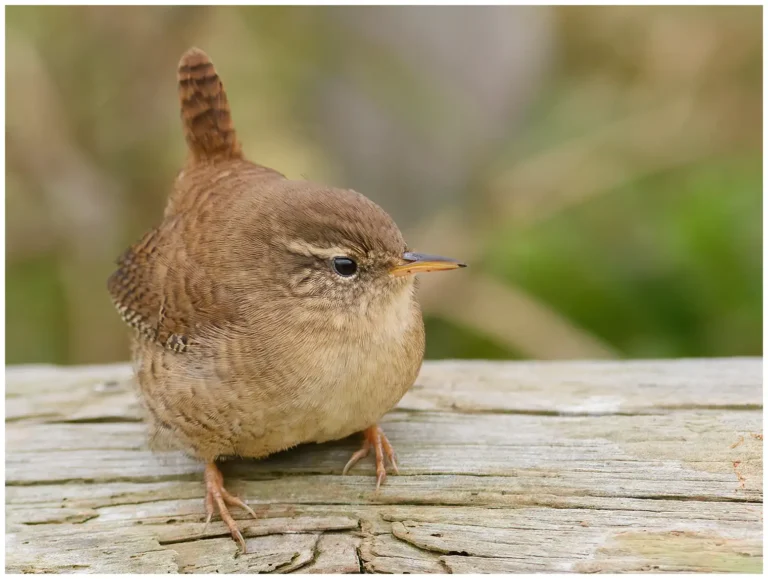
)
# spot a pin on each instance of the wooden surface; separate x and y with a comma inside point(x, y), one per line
point(609, 466)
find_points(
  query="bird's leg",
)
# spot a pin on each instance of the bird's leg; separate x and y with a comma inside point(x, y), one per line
point(216, 496)
point(375, 437)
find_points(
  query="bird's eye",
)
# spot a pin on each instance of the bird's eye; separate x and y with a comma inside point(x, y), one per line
point(344, 266)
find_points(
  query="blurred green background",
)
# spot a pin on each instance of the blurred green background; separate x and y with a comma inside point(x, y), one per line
point(600, 168)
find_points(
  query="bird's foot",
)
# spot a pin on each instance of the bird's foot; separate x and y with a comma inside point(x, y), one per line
point(216, 496)
point(375, 437)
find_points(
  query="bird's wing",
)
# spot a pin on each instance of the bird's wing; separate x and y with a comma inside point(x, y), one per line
point(161, 292)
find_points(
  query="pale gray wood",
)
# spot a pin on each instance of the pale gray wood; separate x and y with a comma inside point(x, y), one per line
point(505, 467)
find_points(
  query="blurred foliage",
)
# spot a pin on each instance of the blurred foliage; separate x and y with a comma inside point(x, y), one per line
point(664, 259)
point(621, 214)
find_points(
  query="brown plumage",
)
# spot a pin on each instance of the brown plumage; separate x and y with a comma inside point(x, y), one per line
point(205, 111)
point(267, 312)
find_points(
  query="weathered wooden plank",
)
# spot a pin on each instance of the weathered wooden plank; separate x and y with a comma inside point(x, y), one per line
point(53, 549)
point(335, 553)
point(466, 386)
point(505, 467)
point(629, 455)
point(588, 387)
point(386, 554)
point(266, 554)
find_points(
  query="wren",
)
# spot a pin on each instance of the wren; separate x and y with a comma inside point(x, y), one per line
point(267, 312)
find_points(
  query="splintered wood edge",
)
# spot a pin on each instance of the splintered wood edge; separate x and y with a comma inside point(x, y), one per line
point(506, 467)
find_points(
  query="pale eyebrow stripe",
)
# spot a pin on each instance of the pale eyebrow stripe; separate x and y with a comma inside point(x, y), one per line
point(304, 248)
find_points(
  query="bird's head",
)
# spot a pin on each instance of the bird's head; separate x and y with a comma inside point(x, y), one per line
point(335, 248)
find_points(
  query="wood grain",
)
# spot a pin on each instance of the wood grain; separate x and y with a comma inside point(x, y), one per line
point(505, 467)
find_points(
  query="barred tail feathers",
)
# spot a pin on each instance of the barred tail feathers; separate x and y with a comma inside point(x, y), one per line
point(205, 112)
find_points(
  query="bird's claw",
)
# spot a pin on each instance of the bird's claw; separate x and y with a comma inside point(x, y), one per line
point(216, 496)
point(362, 453)
point(375, 437)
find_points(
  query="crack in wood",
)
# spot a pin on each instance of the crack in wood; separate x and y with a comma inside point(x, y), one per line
point(98, 420)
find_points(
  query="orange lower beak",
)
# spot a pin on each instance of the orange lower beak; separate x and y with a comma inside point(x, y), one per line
point(423, 263)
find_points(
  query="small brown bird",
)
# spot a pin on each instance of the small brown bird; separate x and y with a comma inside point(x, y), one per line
point(268, 312)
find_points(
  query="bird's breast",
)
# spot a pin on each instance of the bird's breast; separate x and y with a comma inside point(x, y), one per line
point(363, 374)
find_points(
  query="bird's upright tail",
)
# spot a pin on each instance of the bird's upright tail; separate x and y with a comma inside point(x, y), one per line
point(205, 113)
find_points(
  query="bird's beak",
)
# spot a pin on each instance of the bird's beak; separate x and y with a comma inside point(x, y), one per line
point(423, 263)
